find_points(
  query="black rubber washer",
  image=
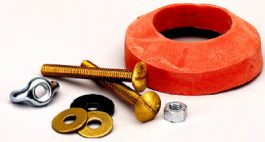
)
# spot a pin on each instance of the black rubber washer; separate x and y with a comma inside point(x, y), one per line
point(94, 102)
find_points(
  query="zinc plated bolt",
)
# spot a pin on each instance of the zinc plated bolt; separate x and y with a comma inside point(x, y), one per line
point(146, 106)
point(137, 76)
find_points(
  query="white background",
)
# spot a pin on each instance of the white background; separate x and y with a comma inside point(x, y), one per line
point(34, 32)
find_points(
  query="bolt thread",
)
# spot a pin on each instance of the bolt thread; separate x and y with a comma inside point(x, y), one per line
point(53, 70)
point(120, 89)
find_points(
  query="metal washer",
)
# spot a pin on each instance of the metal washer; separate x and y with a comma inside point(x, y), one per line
point(104, 129)
point(59, 125)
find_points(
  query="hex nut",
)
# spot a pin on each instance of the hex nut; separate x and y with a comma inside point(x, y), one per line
point(175, 112)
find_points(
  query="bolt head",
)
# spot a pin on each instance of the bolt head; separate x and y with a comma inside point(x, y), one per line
point(139, 76)
point(147, 106)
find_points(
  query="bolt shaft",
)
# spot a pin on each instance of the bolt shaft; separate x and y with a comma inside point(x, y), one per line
point(54, 70)
point(123, 91)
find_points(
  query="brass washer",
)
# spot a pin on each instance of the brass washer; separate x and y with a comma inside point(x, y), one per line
point(104, 129)
point(59, 125)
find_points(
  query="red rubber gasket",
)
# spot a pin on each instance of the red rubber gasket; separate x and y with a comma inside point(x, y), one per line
point(194, 68)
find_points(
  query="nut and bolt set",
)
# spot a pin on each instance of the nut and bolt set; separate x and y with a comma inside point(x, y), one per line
point(97, 109)
point(156, 61)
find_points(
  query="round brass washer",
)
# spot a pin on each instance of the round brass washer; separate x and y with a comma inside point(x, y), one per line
point(60, 126)
point(105, 127)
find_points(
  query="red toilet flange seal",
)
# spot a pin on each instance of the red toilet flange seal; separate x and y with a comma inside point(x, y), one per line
point(194, 68)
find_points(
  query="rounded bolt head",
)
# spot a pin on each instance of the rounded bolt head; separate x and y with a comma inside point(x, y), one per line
point(147, 106)
point(139, 76)
point(175, 112)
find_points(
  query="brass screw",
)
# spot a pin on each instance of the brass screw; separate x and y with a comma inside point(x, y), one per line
point(137, 76)
point(145, 107)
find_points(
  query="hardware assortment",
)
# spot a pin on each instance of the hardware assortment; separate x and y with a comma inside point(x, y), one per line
point(94, 109)
point(185, 74)
point(146, 105)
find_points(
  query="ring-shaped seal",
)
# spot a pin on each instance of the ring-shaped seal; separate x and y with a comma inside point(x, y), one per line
point(94, 102)
point(194, 68)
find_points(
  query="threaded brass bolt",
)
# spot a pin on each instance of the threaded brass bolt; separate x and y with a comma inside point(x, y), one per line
point(146, 106)
point(138, 76)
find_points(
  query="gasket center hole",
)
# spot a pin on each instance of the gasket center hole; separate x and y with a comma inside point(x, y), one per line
point(70, 119)
point(94, 124)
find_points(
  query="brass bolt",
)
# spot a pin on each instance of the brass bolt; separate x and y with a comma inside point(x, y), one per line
point(145, 107)
point(137, 76)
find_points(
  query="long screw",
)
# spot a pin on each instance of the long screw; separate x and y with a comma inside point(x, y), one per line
point(146, 106)
point(137, 76)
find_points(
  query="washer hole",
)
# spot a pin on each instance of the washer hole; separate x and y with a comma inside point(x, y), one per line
point(92, 106)
point(69, 119)
point(94, 124)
